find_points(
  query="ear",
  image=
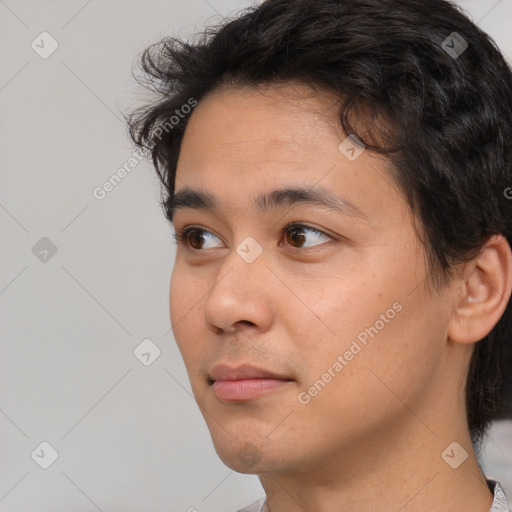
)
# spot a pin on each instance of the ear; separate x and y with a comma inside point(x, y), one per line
point(485, 290)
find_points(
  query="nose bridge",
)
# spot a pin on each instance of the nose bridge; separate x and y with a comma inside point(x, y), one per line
point(239, 291)
point(245, 266)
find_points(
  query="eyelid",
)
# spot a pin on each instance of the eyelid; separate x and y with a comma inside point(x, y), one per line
point(182, 233)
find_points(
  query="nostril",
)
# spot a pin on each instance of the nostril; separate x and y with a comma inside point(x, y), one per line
point(245, 322)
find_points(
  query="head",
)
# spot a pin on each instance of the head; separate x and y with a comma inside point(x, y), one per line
point(403, 289)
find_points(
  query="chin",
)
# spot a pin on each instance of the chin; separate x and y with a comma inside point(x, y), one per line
point(250, 457)
point(242, 456)
point(247, 462)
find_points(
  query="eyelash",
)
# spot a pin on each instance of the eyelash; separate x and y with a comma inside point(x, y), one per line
point(181, 237)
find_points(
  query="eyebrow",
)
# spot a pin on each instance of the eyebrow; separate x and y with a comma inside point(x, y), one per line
point(188, 198)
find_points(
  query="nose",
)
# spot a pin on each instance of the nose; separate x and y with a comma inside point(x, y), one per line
point(241, 295)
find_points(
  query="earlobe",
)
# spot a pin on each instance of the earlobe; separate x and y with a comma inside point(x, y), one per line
point(486, 290)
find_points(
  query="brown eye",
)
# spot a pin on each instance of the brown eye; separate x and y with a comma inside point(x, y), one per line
point(193, 237)
point(295, 233)
point(295, 236)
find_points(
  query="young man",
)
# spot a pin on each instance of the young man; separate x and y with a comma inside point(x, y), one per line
point(339, 177)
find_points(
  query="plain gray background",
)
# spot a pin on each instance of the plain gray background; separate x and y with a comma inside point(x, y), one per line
point(129, 437)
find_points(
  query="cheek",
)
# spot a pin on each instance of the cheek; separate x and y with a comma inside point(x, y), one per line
point(378, 316)
point(340, 306)
point(184, 309)
point(332, 312)
point(175, 289)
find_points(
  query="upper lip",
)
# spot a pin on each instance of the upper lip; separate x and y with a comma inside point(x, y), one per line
point(225, 372)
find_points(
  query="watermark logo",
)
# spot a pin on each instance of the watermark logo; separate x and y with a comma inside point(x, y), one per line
point(147, 352)
point(44, 45)
point(351, 147)
point(44, 455)
point(454, 455)
point(454, 45)
point(249, 250)
point(44, 250)
point(249, 454)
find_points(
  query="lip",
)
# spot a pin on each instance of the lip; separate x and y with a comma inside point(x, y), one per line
point(244, 382)
point(246, 389)
point(223, 371)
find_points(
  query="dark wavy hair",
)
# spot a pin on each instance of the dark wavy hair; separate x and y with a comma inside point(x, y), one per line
point(444, 120)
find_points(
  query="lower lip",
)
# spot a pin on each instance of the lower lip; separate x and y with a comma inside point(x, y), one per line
point(245, 389)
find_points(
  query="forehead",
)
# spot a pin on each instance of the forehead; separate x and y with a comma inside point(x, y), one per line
point(270, 120)
point(257, 147)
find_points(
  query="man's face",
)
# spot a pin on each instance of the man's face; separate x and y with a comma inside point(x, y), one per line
point(339, 308)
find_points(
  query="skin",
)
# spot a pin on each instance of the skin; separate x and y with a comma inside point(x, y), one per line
point(372, 438)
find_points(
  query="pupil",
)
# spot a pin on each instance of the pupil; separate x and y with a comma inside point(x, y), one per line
point(196, 236)
point(295, 237)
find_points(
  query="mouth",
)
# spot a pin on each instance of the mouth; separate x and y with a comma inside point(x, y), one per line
point(244, 382)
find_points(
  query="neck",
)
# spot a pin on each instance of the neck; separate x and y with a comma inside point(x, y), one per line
point(389, 472)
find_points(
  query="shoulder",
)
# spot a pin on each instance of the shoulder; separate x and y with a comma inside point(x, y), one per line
point(500, 502)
